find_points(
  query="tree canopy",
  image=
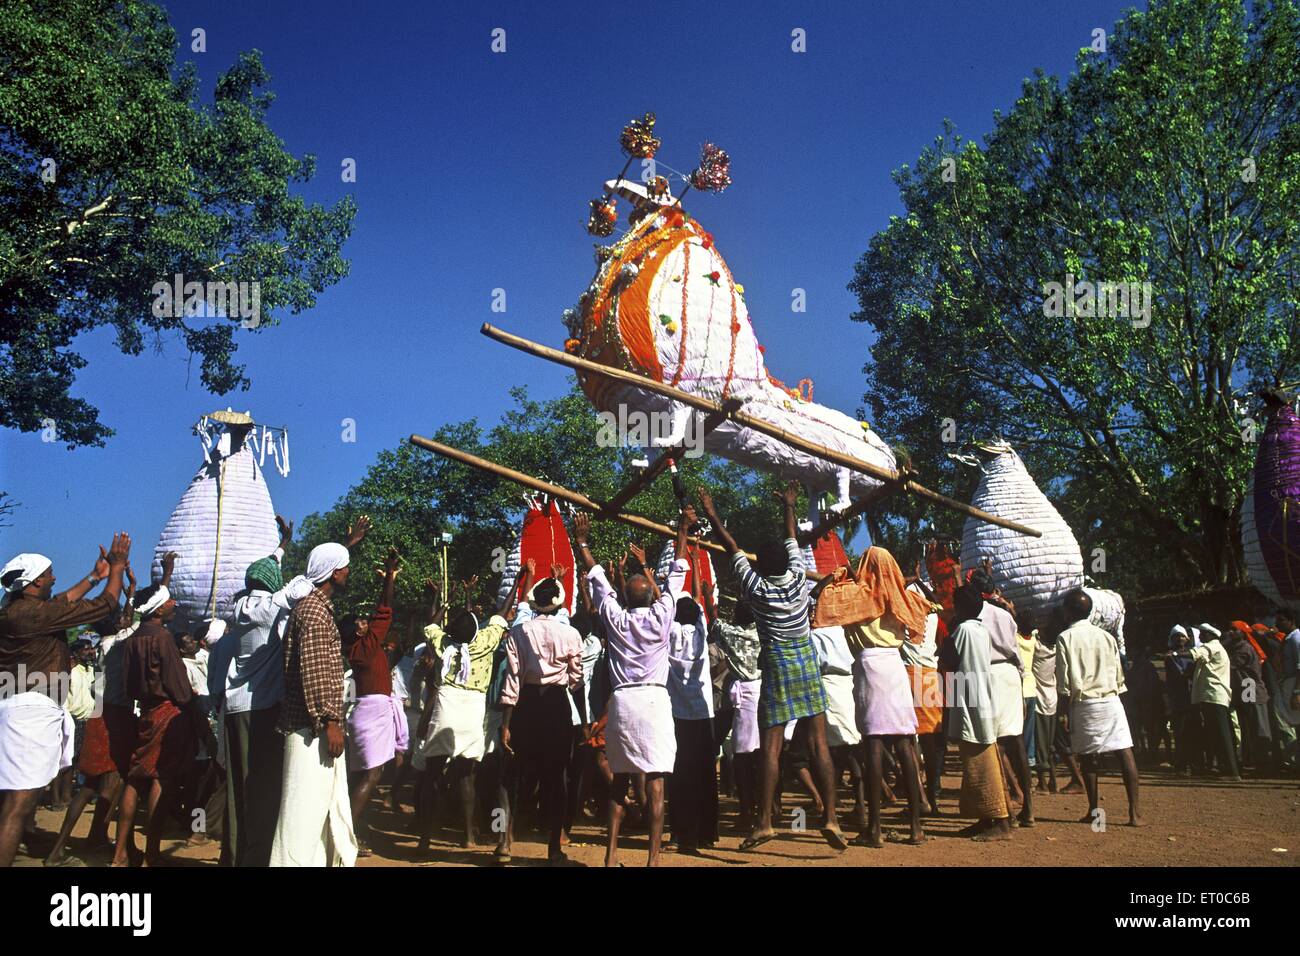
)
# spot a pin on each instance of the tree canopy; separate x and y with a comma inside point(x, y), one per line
point(114, 176)
point(1173, 158)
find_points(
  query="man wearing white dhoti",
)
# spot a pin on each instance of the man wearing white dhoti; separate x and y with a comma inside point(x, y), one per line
point(315, 823)
point(1088, 669)
point(640, 736)
point(35, 731)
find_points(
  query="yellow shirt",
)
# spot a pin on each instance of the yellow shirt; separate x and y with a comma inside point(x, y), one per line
point(481, 647)
point(884, 631)
point(1028, 686)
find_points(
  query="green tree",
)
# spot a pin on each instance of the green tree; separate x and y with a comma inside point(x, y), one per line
point(113, 177)
point(413, 496)
point(1173, 159)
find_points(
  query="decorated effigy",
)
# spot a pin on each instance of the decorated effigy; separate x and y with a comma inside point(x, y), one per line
point(665, 305)
point(225, 520)
point(1270, 511)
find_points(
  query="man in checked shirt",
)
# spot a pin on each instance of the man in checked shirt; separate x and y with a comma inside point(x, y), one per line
point(315, 823)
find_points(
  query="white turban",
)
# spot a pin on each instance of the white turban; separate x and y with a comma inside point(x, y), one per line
point(22, 571)
point(1211, 629)
point(324, 560)
point(156, 600)
point(28, 568)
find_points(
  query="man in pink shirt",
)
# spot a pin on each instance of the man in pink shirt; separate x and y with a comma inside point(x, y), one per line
point(640, 736)
point(543, 667)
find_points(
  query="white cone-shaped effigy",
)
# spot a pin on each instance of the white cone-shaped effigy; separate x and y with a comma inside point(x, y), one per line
point(1034, 573)
point(223, 523)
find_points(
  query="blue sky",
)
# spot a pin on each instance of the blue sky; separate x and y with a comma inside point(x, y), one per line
point(473, 174)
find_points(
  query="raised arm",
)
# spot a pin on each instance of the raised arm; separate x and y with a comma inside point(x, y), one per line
point(582, 534)
point(638, 553)
point(97, 573)
point(168, 566)
point(507, 606)
point(433, 595)
point(789, 497)
point(719, 529)
point(389, 571)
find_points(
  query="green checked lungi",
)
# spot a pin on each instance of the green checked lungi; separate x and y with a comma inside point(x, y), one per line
point(792, 682)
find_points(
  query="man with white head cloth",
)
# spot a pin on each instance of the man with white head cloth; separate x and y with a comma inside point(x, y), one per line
point(35, 731)
point(315, 823)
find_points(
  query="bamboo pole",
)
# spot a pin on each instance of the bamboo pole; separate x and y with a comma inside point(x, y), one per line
point(660, 465)
point(834, 519)
point(757, 424)
point(577, 499)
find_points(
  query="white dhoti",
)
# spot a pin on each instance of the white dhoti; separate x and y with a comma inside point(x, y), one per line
point(882, 694)
point(36, 740)
point(315, 824)
point(640, 736)
point(744, 715)
point(492, 732)
point(456, 728)
point(1008, 700)
point(841, 711)
point(1099, 726)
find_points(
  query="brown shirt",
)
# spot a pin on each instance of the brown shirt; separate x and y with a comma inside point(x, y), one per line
point(32, 632)
point(153, 667)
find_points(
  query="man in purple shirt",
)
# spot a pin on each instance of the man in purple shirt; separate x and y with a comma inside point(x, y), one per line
point(640, 736)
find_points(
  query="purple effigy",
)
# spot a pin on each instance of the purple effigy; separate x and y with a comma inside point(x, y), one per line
point(1270, 513)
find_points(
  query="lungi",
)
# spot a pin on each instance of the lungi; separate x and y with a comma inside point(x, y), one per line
point(315, 823)
point(744, 716)
point(792, 682)
point(927, 698)
point(841, 711)
point(96, 758)
point(983, 793)
point(640, 736)
point(376, 731)
point(1008, 699)
point(456, 728)
point(883, 695)
point(164, 743)
point(1099, 726)
point(36, 738)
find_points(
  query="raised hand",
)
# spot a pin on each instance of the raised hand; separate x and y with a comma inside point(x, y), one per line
point(558, 571)
point(431, 587)
point(130, 576)
point(101, 568)
point(358, 531)
point(638, 552)
point(581, 527)
point(531, 567)
point(706, 501)
point(120, 550)
point(286, 530)
point(789, 495)
point(689, 515)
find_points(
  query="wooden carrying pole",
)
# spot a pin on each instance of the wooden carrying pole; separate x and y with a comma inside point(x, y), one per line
point(888, 475)
point(660, 464)
point(574, 498)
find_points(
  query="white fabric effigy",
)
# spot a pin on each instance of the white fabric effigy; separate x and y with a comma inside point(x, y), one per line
point(224, 518)
point(666, 310)
point(1034, 573)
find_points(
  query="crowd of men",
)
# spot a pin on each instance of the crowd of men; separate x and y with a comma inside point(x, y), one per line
point(275, 727)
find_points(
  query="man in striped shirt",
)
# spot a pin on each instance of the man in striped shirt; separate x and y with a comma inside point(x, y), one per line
point(777, 594)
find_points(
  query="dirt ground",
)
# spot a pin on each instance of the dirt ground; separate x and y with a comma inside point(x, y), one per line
point(1192, 822)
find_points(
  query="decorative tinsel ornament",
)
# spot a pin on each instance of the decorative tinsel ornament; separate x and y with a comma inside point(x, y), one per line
point(714, 171)
point(603, 216)
point(638, 138)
